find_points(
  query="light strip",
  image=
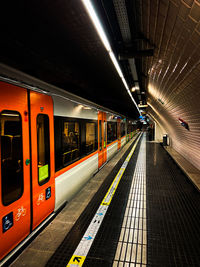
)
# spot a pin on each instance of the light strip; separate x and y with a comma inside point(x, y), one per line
point(91, 11)
point(114, 60)
point(97, 24)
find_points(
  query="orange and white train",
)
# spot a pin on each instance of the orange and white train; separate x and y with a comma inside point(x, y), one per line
point(51, 144)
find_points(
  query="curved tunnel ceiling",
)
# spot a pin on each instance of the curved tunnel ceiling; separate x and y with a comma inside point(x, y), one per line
point(174, 80)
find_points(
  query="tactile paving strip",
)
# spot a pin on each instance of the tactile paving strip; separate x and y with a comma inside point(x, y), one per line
point(173, 213)
point(132, 245)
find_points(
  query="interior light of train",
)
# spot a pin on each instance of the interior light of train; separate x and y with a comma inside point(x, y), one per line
point(87, 108)
point(142, 106)
point(11, 115)
point(91, 11)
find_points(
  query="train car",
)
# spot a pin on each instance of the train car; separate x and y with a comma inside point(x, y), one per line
point(51, 144)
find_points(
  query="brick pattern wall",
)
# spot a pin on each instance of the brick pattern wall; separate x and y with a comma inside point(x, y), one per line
point(173, 26)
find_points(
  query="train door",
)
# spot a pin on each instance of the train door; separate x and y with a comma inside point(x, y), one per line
point(119, 133)
point(15, 212)
point(102, 129)
point(42, 147)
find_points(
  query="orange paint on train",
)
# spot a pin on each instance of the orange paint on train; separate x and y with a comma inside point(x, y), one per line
point(119, 133)
point(18, 212)
point(42, 207)
point(102, 138)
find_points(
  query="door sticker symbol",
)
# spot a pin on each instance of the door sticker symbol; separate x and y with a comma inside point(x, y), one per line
point(40, 199)
point(7, 222)
point(20, 212)
point(48, 193)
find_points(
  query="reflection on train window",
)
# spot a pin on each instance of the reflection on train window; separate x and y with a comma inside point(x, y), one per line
point(74, 139)
point(111, 132)
point(11, 156)
point(43, 146)
point(90, 138)
point(130, 128)
point(105, 134)
point(100, 135)
point(122, 129)
point(70, 142)
point(118, 130)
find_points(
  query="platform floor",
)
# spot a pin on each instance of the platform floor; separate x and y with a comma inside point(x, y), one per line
point(152, 220)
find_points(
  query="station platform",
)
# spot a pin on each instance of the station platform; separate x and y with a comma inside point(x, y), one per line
point(140, 209)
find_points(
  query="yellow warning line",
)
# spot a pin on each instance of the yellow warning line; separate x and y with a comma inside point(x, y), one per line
point(116, 177)
point(104, 200)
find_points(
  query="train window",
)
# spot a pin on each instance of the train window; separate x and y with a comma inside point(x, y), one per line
point(43, 145)
point(122, 129)
point(11, 156)
point(100, 135)
point(131, 128)
point(90, 145)
point(105, 133)
point(111, 132)
point(70, 142)
point(74, 138)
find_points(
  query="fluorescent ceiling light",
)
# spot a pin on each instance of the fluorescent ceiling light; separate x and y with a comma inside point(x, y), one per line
point(116, 64)
point(91, 11)
point(97, 24)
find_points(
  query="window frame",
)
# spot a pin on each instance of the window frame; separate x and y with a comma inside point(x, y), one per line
point(22, 159)
point(60, 120)
point(96, 136)
point(46, 180)
point(116, 138)
point(123, 128)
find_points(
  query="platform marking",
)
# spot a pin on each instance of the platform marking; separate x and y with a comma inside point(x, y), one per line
point(132, 244)
point(85, 244)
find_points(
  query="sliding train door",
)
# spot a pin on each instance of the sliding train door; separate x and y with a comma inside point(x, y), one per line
point(102, 130)
point(27, 186)
point(15, 212)
point(42, 147)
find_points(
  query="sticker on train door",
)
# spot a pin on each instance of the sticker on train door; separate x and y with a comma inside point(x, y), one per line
point(7, 222)
point(48, 193)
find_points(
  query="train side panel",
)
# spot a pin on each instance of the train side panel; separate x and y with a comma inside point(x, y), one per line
point(123, 141)
point(71, 181)
point(67, 108)
point(112, 149)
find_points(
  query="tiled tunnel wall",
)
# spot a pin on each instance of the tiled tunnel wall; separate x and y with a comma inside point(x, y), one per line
point(173, 26)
